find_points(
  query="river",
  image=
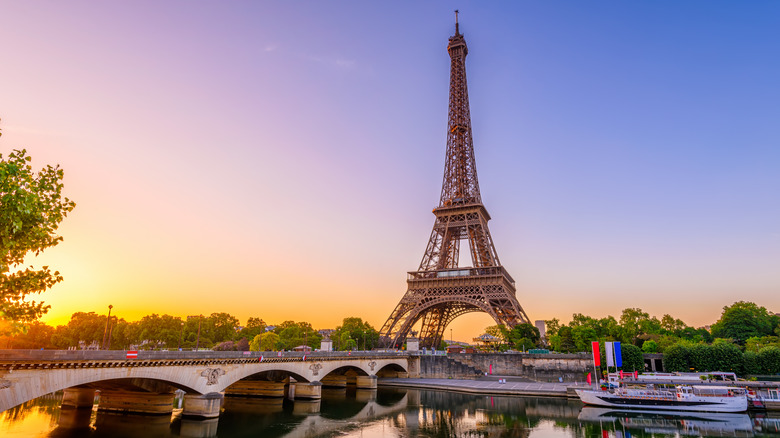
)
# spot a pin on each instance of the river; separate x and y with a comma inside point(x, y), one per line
point(384, 413)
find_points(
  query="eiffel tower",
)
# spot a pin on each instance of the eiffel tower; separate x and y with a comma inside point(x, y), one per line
point(440, 291)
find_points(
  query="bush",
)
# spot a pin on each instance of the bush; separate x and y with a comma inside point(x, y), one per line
point(750, 363)
point(727, 357)
point(700, 358)
point(769, 360)
point(676, 358)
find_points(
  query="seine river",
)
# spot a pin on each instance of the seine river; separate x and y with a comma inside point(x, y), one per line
point(384, 413)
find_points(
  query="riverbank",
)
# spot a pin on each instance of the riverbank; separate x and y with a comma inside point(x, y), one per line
point(487, 387)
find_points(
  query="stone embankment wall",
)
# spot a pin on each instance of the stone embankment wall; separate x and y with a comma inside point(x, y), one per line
point(540, 367)
point(442, 367)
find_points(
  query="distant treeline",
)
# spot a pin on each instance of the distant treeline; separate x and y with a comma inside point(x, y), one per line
point(746, 338)
point(220, 331)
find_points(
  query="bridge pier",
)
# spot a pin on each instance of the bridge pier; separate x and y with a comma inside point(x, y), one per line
point(365, 382)
point(78, 398)
point(202, 406)
point(136, 402)
point(308, 390)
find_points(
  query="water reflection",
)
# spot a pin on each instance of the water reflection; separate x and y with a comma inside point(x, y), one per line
point(670, 422)
point(384, 413)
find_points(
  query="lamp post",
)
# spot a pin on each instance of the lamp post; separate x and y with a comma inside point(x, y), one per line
point(105, 332)
point(450, 336)
point(181, 332)
point(197, 341)
point(110, 331)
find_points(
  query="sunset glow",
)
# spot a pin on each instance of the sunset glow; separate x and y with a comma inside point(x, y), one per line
point(281, 160)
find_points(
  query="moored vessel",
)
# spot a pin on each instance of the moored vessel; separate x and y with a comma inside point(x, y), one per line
point(680, 398)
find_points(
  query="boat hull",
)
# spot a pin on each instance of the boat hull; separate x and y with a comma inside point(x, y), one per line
point(708, 404)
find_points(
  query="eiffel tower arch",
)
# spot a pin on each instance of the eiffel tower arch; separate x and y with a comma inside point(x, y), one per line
point(440, 290)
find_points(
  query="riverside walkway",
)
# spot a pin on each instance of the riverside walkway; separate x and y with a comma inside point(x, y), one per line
point(488, 387)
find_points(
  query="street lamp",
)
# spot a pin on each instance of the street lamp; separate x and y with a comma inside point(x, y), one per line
point(197, 341)
point(181, 332)
point(105, 332)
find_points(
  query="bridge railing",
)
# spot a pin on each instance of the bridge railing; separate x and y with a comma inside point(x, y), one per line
point(75, 355)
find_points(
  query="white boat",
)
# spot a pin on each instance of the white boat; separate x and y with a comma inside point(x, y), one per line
point(681, 398)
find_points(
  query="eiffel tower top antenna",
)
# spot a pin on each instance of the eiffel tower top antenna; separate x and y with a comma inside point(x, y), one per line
point(457, 31)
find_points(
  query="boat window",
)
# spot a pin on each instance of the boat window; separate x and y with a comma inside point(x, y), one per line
point(774, 394)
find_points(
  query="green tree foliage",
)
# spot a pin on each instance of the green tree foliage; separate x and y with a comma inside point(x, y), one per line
point(676, 358)
point(755, 343)
point(582, 336)
point(160, 330)
point(254, 327)
point(552, 326)
point(294, 334)
point(700, 358)
point(84, 327)
point(727, 357)
point(268, 341)
point(751, 364)
point(254, 344)
point(36, 335)
point(650, 347)
point(672, 326)
point(355, 333)
point(31, 209)
point(563, 341)
point(216, 328)
point(769, 360)
point(632, 358)
point(743, 320)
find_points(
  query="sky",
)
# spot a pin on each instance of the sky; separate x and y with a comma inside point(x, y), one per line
point(281, 159)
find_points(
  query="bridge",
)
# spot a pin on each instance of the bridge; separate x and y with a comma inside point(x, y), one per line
point(146, 382)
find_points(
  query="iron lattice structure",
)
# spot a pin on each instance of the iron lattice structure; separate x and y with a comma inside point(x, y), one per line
point(440, 291)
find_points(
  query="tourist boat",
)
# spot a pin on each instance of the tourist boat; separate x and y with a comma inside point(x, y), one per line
point(681, 398)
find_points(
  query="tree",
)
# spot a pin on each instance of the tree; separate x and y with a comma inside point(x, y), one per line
point(632, 358)
point(650, 347)
point(563, 342)
point(743, 320)
point(268, 341)
point(355, 333)
point(31, 209)
point(34, 336)
point(582, 336)
point(552, 326)
point(672, 325)
point(254, 326)
point(160, 330)
point(525, 330)
point(82, 327)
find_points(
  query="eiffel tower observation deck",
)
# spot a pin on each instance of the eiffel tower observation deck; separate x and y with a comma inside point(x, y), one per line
point(440, 290)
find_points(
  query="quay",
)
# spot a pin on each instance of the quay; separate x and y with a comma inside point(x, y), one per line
point(488, 387)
